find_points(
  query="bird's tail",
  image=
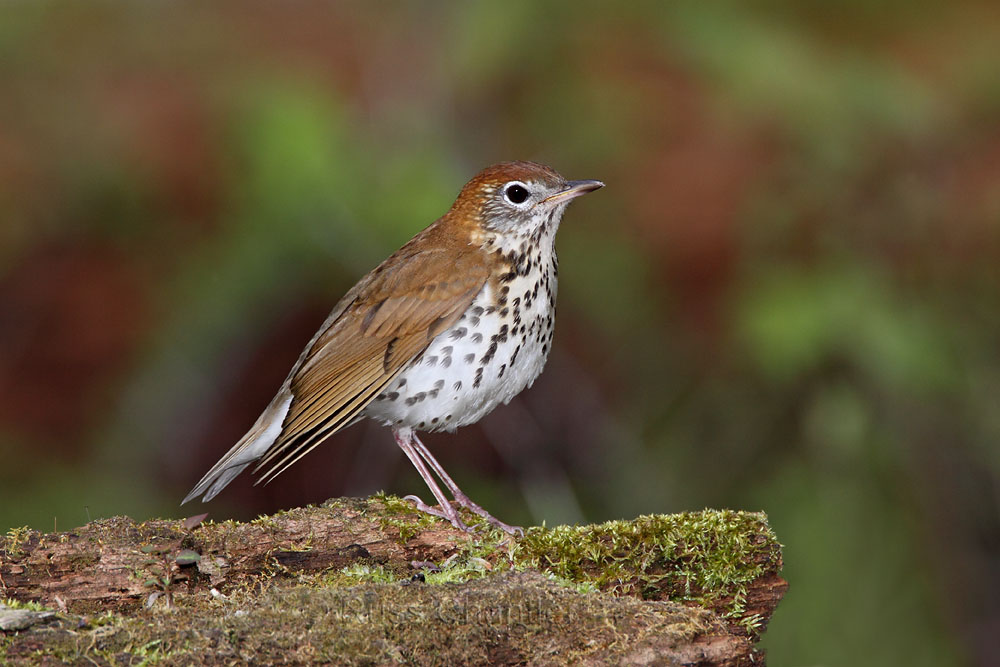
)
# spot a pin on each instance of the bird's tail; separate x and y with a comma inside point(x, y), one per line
point(250, 448)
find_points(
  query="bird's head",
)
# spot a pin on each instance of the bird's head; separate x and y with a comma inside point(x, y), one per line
point(519, 199)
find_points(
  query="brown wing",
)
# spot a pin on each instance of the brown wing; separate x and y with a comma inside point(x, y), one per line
point(386, 321)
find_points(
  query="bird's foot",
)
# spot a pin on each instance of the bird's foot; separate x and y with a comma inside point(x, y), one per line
point(470, 505)
point(447, 512)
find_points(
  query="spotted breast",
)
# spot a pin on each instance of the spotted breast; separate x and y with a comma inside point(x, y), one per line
point(495, 350)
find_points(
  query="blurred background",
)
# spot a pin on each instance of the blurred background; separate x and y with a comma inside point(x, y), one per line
point(786, 299)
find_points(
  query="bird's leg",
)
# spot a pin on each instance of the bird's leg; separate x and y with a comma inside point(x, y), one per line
point(456, 492)
point(405, 439)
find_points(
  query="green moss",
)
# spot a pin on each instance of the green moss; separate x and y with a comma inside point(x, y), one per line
point(11, 603)
point(706, 557)
point(703, 557)
point(15, 539)
point(617, 577)
point(402, 516)
point(517, 614)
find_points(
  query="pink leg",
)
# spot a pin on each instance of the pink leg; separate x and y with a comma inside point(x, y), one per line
point(405, 439)
point(456, 492)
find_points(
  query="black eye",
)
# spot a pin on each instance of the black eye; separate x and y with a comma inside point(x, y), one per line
point(516, 193)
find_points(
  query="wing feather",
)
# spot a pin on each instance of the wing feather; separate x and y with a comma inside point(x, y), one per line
point(390, 321)
point(386, 321)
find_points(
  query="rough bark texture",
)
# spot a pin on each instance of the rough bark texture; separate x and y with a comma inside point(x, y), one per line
point(370, 582)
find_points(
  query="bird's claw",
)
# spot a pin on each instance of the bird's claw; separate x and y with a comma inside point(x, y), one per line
point(452, 518)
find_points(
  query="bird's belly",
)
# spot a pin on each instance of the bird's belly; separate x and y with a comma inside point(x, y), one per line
point(483, 361)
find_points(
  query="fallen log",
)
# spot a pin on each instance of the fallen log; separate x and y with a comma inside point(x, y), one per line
point(371, 581)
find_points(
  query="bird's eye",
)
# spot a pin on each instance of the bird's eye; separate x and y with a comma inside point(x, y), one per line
point(516, 193)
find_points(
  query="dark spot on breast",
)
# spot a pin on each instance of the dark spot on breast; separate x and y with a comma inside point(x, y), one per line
point(469, 358)
point(479, 377)
point(490, 351)
point(457, 385)
point(431, 360)
point(477, 338)
point(416, 398)
point(458, 333)
point(502, 369)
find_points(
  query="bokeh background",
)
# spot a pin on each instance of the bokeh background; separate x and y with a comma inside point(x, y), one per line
point(787, 298)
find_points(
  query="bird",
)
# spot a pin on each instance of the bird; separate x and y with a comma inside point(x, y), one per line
point(456, 322)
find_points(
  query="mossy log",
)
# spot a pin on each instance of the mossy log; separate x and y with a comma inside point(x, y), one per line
point(369, 581)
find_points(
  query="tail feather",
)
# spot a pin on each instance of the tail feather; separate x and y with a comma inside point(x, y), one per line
point(250, 448)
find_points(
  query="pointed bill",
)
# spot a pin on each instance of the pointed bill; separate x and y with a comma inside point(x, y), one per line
point(573, 190)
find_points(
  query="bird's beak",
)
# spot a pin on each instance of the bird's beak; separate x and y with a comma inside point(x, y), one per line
point(573, 190)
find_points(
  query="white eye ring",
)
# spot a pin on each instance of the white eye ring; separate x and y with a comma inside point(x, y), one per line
point(516, 193)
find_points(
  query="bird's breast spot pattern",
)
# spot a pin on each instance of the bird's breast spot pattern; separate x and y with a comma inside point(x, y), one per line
point(466, 371)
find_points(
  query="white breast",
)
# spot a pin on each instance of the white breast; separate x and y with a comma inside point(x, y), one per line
point(493, 352)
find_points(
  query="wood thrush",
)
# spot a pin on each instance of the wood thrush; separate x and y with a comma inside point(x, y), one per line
point(454, 323)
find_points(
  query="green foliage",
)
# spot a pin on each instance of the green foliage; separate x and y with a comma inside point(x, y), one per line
point(698, 556)
point(794, 321)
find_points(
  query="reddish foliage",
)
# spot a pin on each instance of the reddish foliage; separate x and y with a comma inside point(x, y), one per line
point(71, 317)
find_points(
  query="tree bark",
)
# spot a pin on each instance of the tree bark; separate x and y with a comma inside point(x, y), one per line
point(352, 582)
